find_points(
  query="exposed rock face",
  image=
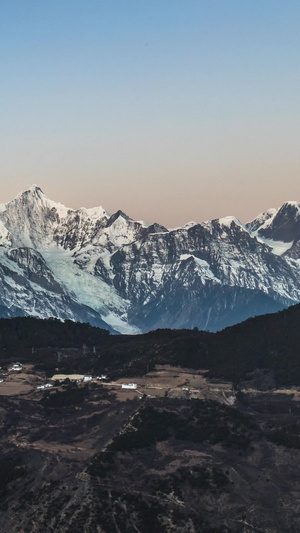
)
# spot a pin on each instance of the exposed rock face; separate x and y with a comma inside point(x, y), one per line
point(88, 265)
point(34, 268)
point(284, 225)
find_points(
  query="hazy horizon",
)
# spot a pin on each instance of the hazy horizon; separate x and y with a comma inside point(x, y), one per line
point(171, 112)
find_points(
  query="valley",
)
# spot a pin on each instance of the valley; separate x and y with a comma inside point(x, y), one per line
point(114, 434)
point(108, 460)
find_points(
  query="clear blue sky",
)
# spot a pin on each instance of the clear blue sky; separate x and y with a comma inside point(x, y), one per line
point(170, 110)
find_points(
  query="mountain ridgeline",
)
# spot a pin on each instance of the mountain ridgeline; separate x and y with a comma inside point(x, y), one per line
point(262, 351)
point(131, 277)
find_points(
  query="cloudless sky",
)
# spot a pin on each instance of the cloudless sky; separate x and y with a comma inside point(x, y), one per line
point(171, 110)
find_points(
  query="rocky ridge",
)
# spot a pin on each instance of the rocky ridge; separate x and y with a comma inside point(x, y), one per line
point(110, 270)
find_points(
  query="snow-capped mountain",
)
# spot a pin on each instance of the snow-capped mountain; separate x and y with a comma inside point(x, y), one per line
point(129, 276)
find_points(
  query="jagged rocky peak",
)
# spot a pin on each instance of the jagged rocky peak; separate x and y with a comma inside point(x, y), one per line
point(260, 220)
point(34, 220)
point(283, 225)
point(32, 197)
point(94, 213)
point(115, 216)
point(37, 200)
point(226, 227)
point(33, 191)
point(228, 221)
point(34, 201)
point(30, 217)
point(156, 228)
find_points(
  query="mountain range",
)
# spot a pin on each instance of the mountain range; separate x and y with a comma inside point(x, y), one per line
point(131, 277)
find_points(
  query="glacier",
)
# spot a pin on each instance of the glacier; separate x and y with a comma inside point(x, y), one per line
point(131, 276)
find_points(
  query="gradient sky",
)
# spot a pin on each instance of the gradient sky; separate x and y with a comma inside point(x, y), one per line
point(169, 110)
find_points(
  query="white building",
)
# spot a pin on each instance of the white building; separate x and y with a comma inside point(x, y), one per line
point(129, 385)
point(17, 367)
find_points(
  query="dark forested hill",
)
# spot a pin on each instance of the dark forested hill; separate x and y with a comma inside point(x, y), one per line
point(270, 342)
point(267, 344)
point(27, 332)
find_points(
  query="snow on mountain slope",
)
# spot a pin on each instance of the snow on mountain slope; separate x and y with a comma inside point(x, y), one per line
point(282, 225)
point(28, 287)
point(86, 264)
point(89, 289)
point(278, 247)
point(262, 220)
point(230, 255)
point(34, 220)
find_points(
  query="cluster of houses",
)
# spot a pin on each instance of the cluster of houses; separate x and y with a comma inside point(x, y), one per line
point(75, 378)
point(86, 378)
point(16, 367)
point(46, 386)
point(78, 378)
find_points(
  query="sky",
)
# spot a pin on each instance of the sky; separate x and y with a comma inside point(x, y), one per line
point(171, 110)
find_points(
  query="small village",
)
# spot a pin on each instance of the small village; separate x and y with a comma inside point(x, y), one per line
point(164, 381)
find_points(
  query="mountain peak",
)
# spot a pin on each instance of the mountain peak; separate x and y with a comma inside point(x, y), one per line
point(229, 220)
point(291, 202)
point(115, 216)
point(32, 194)
point(33, 190)
point(289, 209)
point(282, 224)
point(263, 219)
